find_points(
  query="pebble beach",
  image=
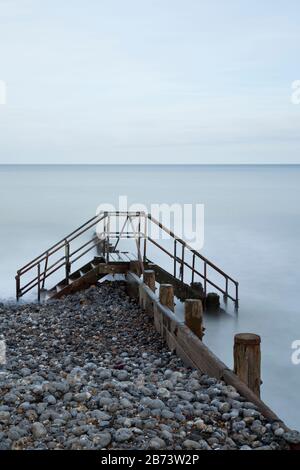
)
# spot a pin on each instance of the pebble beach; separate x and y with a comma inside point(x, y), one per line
point(90, 372)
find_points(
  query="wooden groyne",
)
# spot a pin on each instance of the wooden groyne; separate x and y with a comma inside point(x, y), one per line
point(189, 347)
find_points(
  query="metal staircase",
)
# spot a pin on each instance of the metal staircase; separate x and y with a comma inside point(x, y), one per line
point(96, 243)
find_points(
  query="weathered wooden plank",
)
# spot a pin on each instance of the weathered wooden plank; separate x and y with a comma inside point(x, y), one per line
point(205, 360)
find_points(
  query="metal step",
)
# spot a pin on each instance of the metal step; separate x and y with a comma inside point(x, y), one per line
point(61, 285)
point(74, 276)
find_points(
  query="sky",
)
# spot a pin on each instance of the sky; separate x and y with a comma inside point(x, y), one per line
point(149, 81)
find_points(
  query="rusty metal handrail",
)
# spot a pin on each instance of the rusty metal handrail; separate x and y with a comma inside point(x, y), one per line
point(62, 244)
point(67, 259)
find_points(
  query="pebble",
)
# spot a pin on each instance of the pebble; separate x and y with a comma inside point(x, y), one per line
point(292, 437)
point(123, 434)
point(157, 443)
point(38, 430)
point(102, 439)
point(90, 371)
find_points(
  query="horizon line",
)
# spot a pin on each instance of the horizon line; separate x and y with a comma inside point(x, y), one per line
point(151, 164)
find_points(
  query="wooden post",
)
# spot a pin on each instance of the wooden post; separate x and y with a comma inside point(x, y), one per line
point(166, 295)
point(149, 279)
point(193, 315)
point(135, 267)
point(247, 360)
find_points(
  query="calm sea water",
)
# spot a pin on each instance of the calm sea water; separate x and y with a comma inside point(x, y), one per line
point(252, 231)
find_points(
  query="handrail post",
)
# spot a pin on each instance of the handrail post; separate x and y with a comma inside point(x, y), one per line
point(182, 262)
point(193, 268)
point(67, 256)
point(236, 295)
point(139, 232)
point(39, 284)
point(205, 278)
point(18, 287)
point(45, 270)
point(226, 290)
point(175, 246)
point(145, 239)
point(107, 239)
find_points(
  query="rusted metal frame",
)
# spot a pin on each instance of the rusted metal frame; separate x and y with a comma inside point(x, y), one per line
point(87, 228)
point(126, 256)
point(137, 246)
point(139, 232)
point(226, 290)
point(205, 260)
point(47, 275)
point(120, 234)
point(82, 254)
point(108, 228)
point(193, 268)
point(236, 295)
point(49, 253)
point(190, 267)
point(45, 270)
point(21, 273)
point(145, 239)
point(104, 235)
point(115, 235)
point(96, 220)
point(125, 213)
point(67, 257)
point(175, 256)
point(39, 281)
point(45, 257)
point(182, 264)
point(30, 282)
point(212, 265)
point(84, 245)
point(18, 290)
point(61, 243)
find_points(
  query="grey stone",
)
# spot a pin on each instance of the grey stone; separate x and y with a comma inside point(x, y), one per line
point(292, 437)
point(122, 375)
point(279, 432)
point(4, 416)
point(157, 443)
point(191, 445)
point(38, 430)
point(102, 439)
point(123, 434)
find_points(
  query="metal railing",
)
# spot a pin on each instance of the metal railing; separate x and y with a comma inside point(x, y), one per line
point(43, 266)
